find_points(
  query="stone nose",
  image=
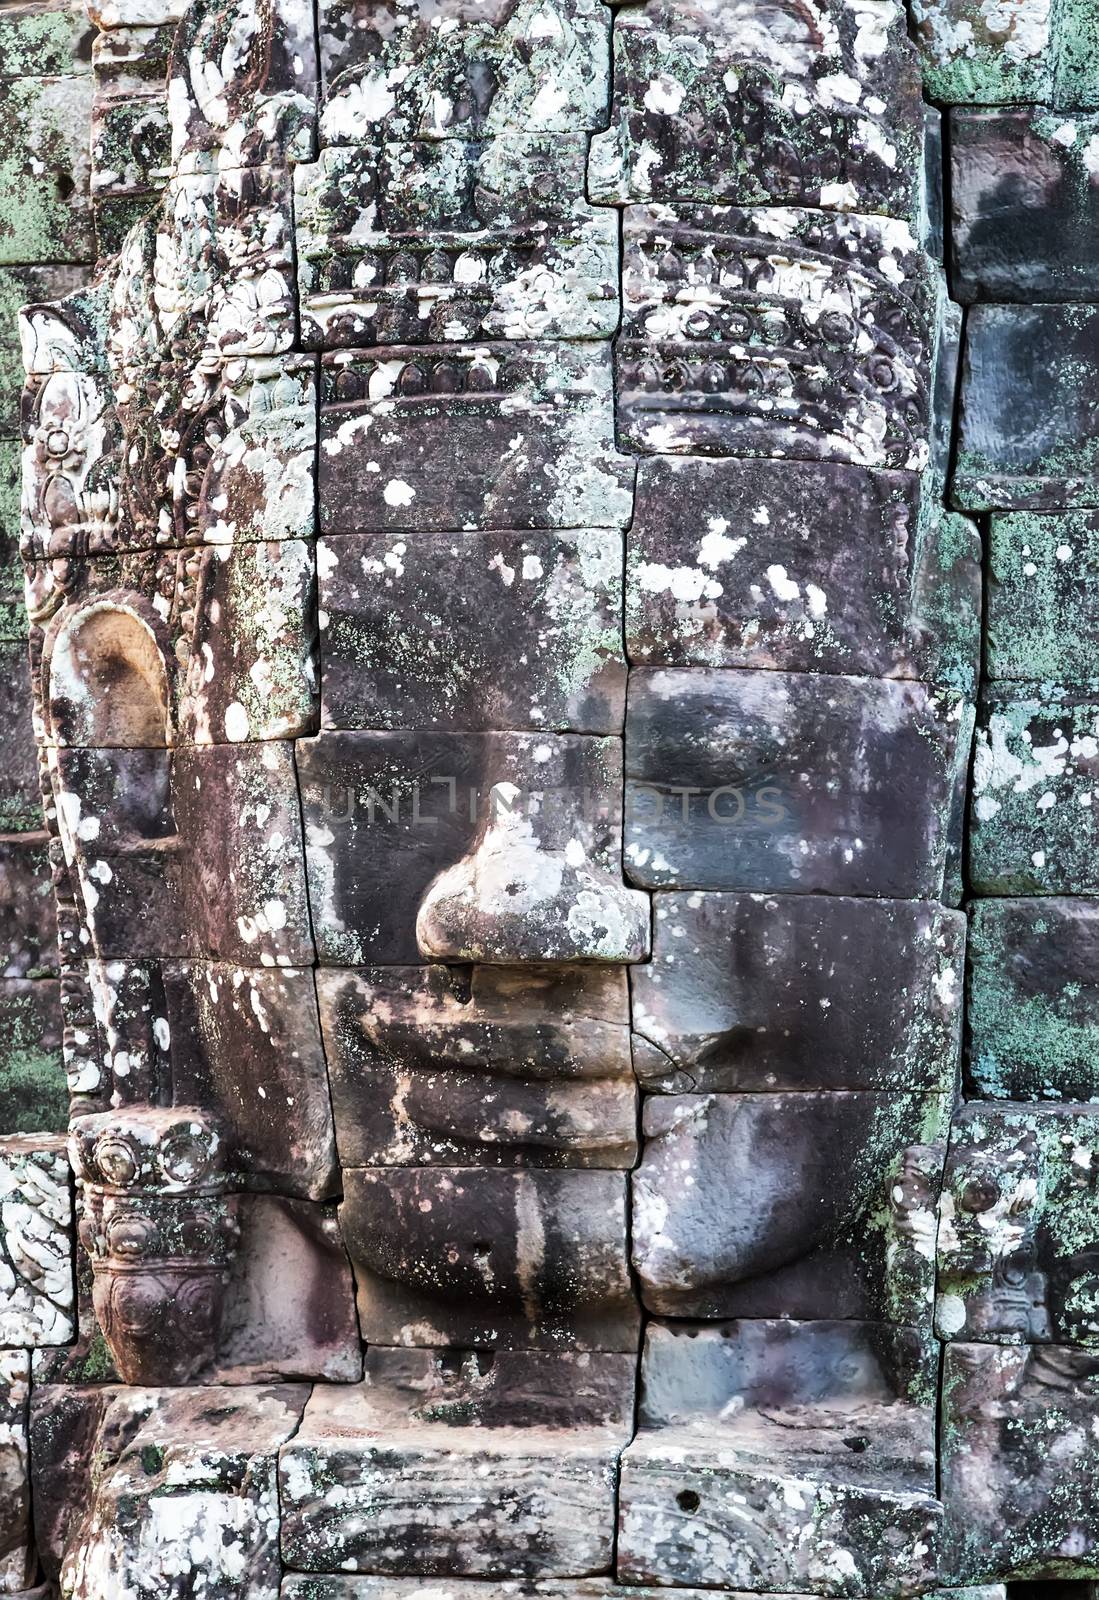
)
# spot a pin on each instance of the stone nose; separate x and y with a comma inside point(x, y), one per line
point(532, 889)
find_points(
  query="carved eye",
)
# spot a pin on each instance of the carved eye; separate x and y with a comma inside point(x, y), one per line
point(980, 1194)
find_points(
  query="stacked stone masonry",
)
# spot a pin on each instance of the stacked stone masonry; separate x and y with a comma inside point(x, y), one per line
point(549, 894)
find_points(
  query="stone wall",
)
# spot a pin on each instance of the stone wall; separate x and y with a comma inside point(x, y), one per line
point(559, 622)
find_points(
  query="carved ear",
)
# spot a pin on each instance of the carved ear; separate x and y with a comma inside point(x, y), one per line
point(106, 679)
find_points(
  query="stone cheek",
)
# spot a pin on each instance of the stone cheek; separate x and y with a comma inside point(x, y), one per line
point(833, 785)
point(749, 992)
point(737, 1212)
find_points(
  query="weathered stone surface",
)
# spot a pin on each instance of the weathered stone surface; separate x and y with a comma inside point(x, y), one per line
point(800, 566)
point(36, 1241)
point(219, 456)
point(1025, 194)
point(20, 792)
point(193, 1283)
point(1018, 1244)
point(432, 241)
point(983, 53)
point(183, 1483)
point(45, 38)
point(265, 61)
point(32, 1077)
point(408, 835)
point(195, 647)
point(1032, 822)
point(783, 1455)
point(18, 287)
point(762, 104)
point(13, 612)
point(44, 170)
point(130, 134)
point(28, 924)
point(288, 1312)
point(1042, 610)
point(783, 781)
point(976, 52)
point(471, 1256)
point(1018, 1460)
point(510, 1068)
point(756, 992)
point(300, 1587)
point(235, 227)
point(424, 437)
point(776, 332)
point(244, 1042)
point(799, 1205)
point(17, 1563)
point(460, 1464)
point(253, 645)
point(160, 876)
point(509, 68)
point(1033, 1011)
point(473, 631)
point(1029, 427)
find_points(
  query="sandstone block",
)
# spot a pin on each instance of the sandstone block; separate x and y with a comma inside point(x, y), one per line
point(789, 992)
point(779, 781)
point(460, 1464)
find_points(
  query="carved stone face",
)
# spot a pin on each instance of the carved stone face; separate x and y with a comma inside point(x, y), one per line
point(501, 686)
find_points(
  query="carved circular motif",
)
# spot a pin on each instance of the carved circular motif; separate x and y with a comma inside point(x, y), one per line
point(116, 1160)
point(185, 1158)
